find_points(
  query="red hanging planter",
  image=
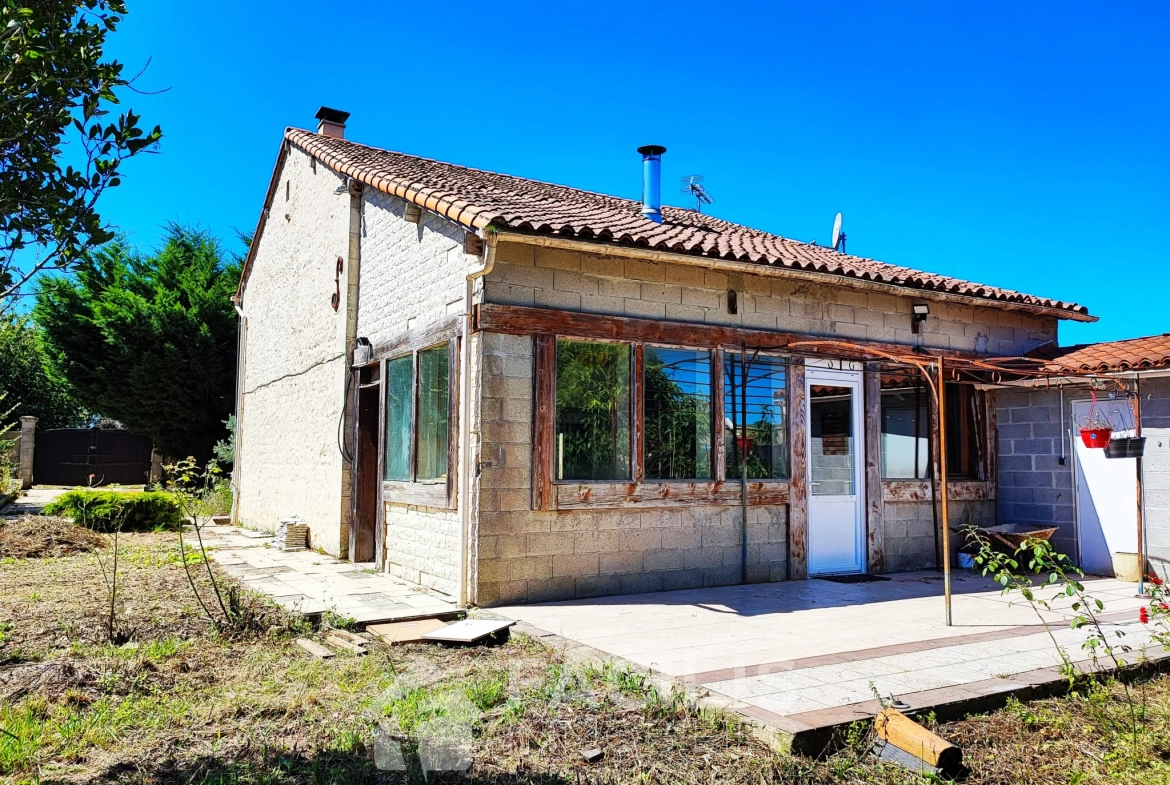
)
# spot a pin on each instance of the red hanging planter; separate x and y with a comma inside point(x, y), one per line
point(1095, 429)
point(1096, 438)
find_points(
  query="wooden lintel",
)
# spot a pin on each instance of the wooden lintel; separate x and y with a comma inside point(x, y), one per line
point(472, 244)
point(445, 329)
point(652, 495)
point(525, 320)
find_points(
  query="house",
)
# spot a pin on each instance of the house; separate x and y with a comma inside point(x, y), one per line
point(513, 391)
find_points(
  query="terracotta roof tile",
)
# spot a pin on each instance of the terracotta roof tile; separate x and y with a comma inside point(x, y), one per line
point(477, 199)
point(1133, 354)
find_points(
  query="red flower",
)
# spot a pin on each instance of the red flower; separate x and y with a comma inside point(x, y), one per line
point(1144, 615)
point(1154, 579)
point(1164, 606)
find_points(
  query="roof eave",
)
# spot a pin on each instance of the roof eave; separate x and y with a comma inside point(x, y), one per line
point(756, 268)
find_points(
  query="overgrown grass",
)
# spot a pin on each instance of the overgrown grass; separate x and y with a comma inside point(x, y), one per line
point(185, 704)
point(105, 510)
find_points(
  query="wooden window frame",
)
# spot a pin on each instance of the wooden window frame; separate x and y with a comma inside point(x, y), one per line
point(549, 494)
point(439, 493)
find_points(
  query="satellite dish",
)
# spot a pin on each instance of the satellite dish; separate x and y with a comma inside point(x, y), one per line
point(838, 242)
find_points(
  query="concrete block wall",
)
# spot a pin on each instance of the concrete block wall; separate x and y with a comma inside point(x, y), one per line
point(1033, 486)
point(528, 556)
point(910, 533)
point(1156, 471)
point(595, 283)
point(295, 365)
point(412, 275)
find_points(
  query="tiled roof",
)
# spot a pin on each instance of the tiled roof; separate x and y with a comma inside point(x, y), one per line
point(1133, 354)
point(478, 199)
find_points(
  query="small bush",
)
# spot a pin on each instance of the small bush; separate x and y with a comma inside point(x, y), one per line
point(103, 510)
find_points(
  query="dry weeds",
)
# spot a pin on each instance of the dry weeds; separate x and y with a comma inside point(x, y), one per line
point(182, 703)
point(36, 536)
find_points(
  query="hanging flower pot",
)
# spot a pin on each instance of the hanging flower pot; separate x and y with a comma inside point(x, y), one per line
point(1096, 438)
point(745, 443)
point(1096, 429)
point(1118, 448)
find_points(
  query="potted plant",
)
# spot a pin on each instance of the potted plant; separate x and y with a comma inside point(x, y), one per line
point(1096, 430)
point(1095, 427)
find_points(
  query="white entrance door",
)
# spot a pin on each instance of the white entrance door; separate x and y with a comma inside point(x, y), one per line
point(1106, 494)
point(836, 536)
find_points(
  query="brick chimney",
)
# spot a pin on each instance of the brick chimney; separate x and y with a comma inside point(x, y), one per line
point(331, 122)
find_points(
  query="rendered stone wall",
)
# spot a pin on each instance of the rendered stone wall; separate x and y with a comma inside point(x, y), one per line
point(295, 366)
point(551, 278)
point(527, 556)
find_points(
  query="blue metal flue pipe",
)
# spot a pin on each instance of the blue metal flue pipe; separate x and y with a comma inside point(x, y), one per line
point(652, 181)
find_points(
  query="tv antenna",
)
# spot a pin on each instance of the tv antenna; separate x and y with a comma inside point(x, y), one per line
point(838, 242)
point(692, 186)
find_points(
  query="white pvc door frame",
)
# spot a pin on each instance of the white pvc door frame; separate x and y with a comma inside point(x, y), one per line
point(838, 373)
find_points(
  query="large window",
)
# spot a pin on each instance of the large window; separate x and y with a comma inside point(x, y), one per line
point(417, 441)
point(755, 416)
point(677, 402)
point(592, 411)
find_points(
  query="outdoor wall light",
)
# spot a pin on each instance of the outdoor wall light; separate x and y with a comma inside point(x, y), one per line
point(919, 312)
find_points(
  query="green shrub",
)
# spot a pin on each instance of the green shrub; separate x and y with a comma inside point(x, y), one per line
point(102, 510)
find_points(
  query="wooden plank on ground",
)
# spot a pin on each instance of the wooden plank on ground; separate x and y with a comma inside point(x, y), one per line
point(356, 640)
point(314, 648)
point(904, 733)
point(338, 642)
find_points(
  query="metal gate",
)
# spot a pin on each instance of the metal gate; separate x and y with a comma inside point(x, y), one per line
point(90, 456)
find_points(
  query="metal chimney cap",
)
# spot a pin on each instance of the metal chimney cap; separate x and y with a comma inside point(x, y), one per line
point(331, 115)
point(652, 149)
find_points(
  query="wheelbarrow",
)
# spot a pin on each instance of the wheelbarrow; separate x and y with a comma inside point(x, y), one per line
point(1013, 535)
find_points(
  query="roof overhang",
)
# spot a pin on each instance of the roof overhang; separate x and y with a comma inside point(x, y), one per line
point(753, 268)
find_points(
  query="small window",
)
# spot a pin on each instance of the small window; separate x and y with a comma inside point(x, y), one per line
point(418, 416)
point(433, 414)
point(399, 413)
point(677, 403)
point(963, 413)
point(592, 411)
point(756, 416)
point(905, 433)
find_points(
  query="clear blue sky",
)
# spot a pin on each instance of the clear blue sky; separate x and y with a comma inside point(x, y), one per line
point(1022, 145)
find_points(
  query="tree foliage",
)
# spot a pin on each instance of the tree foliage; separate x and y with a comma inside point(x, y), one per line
point(150, 340)
point(58, 153)
point(28, 384)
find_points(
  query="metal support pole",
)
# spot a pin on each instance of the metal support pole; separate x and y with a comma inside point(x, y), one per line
point(1141, 540)
point(945, 523)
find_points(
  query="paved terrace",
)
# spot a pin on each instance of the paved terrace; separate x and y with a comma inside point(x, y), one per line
point(309, 582)
point(809, 654)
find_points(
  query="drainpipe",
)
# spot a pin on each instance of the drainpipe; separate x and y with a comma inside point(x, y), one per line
point(466, 464)
point(241, 342)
